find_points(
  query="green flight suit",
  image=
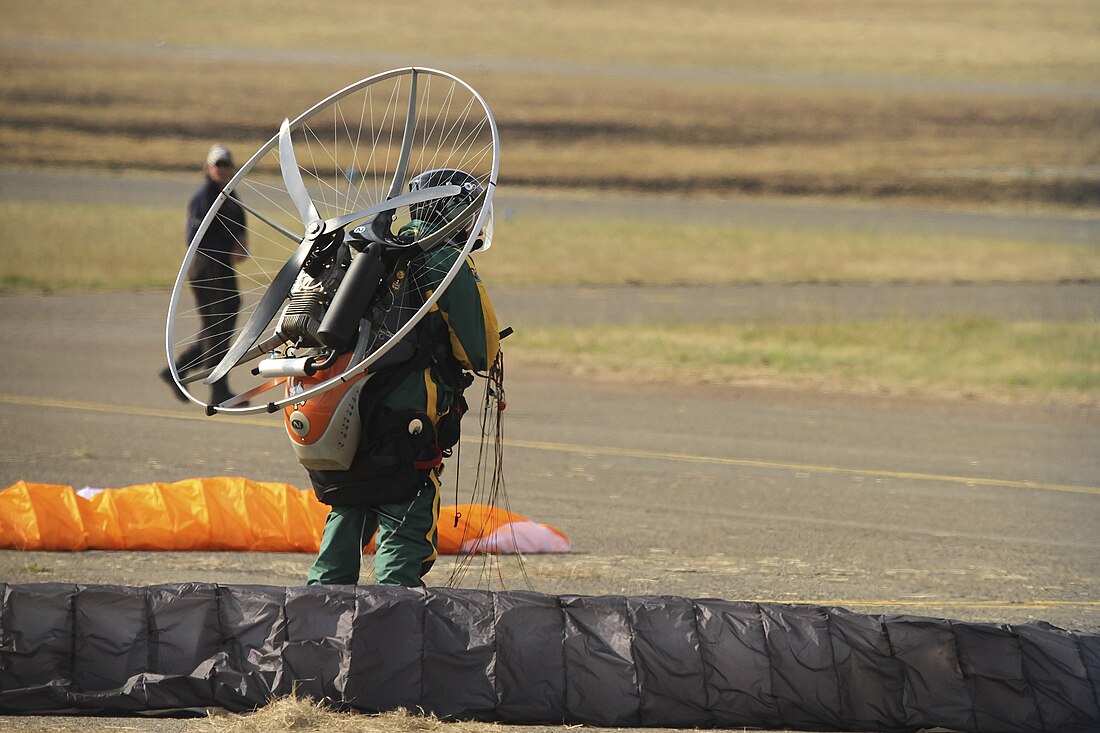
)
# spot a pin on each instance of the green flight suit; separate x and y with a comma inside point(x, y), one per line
point(462, 324)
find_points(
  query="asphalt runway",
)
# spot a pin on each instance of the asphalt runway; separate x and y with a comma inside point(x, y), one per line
point(948, 508)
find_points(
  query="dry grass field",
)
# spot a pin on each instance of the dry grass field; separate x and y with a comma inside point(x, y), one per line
point(121, 248)
point(986, 103)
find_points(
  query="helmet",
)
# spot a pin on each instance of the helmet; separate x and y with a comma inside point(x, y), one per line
point(430, 215)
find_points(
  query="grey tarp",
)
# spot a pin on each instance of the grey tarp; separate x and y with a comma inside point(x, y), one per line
point(526, 657)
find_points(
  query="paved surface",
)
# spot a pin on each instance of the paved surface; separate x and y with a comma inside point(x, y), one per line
point(957, 509)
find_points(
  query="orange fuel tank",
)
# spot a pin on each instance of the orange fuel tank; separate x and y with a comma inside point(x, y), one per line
point(325, 429)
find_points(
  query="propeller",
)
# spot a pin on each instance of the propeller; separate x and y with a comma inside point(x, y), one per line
point(315, 229)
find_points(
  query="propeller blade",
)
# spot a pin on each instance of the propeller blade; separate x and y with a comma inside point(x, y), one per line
point(406, 143)
point(269, 304)
point(405, 199)
point(292, 177)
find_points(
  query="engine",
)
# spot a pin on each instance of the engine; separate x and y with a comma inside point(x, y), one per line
point(309, 300)
point(303, 312)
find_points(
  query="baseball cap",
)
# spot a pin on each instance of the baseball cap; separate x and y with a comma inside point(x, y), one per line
point(219, 152)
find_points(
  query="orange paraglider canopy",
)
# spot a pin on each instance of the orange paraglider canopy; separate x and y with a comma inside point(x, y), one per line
point(233, 514)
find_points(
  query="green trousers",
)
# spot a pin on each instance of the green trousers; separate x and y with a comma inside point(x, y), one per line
point(405, 548)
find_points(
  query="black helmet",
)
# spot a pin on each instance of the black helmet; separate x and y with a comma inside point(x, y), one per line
point(431, 215)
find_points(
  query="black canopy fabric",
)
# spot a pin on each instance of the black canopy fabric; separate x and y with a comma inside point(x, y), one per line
point(521, 657)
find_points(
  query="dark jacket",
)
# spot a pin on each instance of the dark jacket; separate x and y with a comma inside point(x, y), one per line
point(222, 237)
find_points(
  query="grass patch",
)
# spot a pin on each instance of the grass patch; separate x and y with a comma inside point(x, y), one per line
point(116, 247)
point(555, 251)
point(953, 356)
point(299, 714)
point(86, 247)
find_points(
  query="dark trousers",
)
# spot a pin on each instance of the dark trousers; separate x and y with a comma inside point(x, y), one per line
point(404, 551)
point(218, 304)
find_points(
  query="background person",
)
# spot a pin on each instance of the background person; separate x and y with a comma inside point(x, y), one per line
point(213, 275)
